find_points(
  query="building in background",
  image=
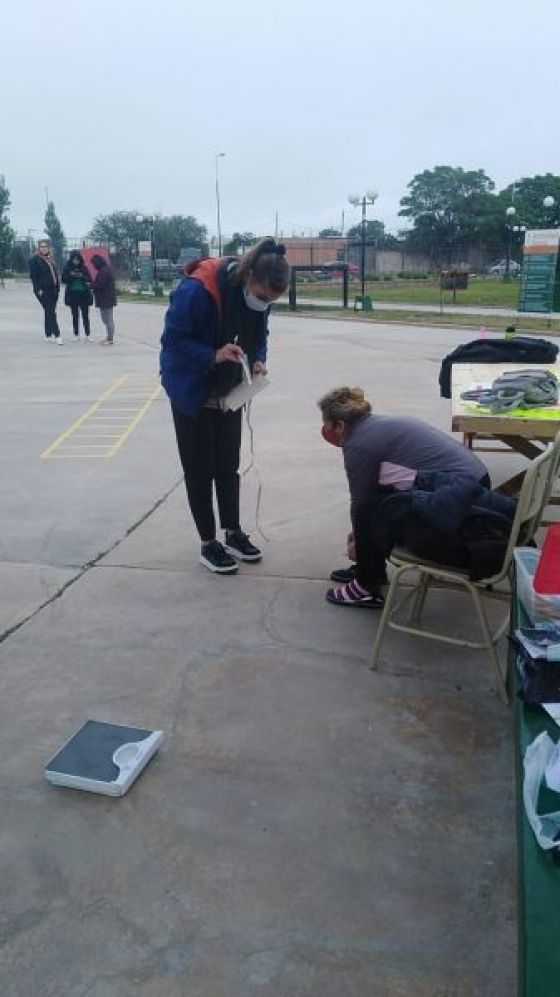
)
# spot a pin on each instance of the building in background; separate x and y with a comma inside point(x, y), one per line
point(311, 251)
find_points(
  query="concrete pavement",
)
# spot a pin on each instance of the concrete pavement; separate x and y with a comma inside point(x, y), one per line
point(309, 827)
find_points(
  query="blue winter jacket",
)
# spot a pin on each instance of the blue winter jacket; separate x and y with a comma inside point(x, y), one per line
point(448, 501)
point(192, 335)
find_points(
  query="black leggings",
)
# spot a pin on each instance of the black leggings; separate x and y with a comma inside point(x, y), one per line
point(375, 538)
point(49, 307)
point(76, 307)
point(209, 447)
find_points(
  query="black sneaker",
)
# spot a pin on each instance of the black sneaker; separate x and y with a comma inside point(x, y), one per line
point(344, 574)
point(215, 557)
point(238, 544)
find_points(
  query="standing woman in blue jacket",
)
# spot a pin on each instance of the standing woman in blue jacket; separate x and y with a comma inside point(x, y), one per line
point(217, 315)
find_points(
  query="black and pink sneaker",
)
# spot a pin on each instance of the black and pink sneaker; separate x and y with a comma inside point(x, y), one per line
point(354, 594)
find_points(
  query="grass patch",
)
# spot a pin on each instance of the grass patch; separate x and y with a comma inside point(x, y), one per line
point(482, 291)
point(409, 317)
point(144, 299)
point(412, 317)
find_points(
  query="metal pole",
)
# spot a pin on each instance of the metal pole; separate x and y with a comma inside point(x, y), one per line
point(218, 204)
point(363, 249)
point(508, 253)
point(292, 291)
point(153, 251)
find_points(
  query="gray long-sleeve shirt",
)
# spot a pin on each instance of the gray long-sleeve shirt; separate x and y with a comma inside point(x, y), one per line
point(401, 440)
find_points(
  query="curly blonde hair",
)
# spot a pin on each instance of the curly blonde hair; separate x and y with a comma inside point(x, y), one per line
point(344, 405)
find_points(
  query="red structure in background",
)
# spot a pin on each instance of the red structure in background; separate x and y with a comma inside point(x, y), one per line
point(547, 575)
point(89, 251)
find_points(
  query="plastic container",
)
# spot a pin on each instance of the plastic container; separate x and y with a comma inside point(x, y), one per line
point(538, 607)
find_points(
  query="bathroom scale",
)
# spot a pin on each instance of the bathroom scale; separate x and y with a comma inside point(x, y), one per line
point(103, 758)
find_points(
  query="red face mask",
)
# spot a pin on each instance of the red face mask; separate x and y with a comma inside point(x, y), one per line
point(328, 433)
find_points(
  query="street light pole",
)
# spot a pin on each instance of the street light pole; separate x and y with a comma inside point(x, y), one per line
point(369, 197)
point(548, 203)
point(219, 155)
point(510, 212)
point(153, 249)
point(363, 262)
point(151, 223)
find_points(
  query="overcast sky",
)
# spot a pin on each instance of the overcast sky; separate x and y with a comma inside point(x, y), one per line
point(121, 105)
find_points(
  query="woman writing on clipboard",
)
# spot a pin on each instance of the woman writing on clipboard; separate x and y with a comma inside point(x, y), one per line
point(218, 315)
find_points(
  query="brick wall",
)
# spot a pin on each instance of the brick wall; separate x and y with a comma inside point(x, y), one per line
point(313, 252)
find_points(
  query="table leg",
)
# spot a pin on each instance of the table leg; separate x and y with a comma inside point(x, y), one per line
point(521, 445)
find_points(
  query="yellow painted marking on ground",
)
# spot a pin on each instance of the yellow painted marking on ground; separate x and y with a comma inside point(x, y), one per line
point(93, 408)
point(107, 413)
point(136, 420)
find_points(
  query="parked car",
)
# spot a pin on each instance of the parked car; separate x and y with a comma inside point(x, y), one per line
point(335, 269)
point(500, 269)
point(187, 255)
point(165, 270)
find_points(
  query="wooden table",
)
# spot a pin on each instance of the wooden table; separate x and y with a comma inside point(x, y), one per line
point(524, 433)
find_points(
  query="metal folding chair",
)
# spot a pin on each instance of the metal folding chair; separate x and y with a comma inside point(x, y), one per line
point(535, 493)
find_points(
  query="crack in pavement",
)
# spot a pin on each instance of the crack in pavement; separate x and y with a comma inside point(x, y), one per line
point(84, 568)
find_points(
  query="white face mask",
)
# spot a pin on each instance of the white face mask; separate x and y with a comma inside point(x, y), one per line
point(254, 303)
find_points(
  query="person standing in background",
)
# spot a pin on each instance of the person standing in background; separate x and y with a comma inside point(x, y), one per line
point(78, 294)
point(105, 295)
point(46, 287)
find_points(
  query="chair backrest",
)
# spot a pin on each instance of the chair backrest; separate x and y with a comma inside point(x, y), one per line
point(554, 469)
point(532, 500)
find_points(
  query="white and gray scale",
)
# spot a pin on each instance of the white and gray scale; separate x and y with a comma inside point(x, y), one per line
point(103, 758)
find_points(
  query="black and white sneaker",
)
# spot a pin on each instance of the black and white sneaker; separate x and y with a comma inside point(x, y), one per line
point(239, 545)
point(215, 557)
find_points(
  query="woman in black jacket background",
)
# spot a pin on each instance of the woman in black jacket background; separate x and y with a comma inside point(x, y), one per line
point(46, 285)
point(78, 294)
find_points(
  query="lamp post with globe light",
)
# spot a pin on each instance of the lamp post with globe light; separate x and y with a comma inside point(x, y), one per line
point(548, 203)
point(369, 197)
point(150, 219)
point(510, 215)
point(219, 155)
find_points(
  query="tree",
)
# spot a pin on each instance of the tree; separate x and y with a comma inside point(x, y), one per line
point(442, 204)
point(240, 241)
point(7, 234)
point(21, 251)
point(53, 229)
point(176, 232)
point(375, 233)
point(122, 231)
point(527, 196)
point(327, 233)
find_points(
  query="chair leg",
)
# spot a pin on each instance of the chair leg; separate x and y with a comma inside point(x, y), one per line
point(491, 646)
point(419, 599)
point(385, 616)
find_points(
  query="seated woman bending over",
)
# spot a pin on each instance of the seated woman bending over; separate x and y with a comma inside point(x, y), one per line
point(413, 485)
